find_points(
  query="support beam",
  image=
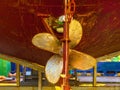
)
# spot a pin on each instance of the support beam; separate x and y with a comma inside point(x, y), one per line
point(18, 75)
point(108, 56)
point(31, 65)
point(94, 74)
point(40, 80)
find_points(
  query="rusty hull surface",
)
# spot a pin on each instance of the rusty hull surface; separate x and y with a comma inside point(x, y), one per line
point(18, 24)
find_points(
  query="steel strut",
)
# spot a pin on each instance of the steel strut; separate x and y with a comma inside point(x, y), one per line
point(68, 12)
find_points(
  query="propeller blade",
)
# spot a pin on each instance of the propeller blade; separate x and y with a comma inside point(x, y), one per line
point(46, 41)
point(81, 60)
point(75, 33)
point(54, 68)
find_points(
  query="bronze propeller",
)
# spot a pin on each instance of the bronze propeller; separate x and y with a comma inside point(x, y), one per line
point(77, 60)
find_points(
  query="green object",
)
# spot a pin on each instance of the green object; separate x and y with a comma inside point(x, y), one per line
point(119, 57)
point(70, 71)
point(60, 23)
point(5, 67)
point(115, 59)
